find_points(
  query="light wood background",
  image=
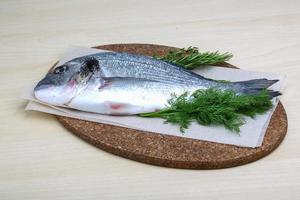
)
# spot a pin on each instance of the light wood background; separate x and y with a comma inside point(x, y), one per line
point(39, 159)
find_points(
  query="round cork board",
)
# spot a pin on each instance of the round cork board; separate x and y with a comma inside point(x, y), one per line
point(172, 151)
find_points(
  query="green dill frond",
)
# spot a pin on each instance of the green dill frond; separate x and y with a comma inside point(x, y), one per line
point(191, 58)
point(213, 107)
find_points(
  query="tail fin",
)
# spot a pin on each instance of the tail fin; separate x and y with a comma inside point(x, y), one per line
point(255, 86)
point(258, 83)
point(273, 93)
point(256, 91)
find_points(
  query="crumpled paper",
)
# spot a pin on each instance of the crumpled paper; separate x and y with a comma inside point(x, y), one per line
point(251, 134)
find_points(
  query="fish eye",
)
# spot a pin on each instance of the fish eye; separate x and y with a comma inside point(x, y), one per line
point(61, 69)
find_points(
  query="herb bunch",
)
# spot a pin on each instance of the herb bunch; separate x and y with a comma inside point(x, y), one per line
point(191, 58)
point(213, 107)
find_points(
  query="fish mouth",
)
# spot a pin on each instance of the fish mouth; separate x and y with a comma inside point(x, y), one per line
point(45, 83)
point(42, 86)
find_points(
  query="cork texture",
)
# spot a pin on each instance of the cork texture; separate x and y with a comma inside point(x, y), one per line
point(172, 151)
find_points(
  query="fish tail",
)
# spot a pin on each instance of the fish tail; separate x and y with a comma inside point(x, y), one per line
point(273, 93)
point(256, 91)
point(255, 86)
point(262, 83)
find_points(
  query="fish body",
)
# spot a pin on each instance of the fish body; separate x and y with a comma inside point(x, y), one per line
point(114, 64)
point(125, 84)
point(125, 96)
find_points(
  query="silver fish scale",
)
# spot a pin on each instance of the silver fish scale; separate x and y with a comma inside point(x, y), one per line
point(127, 65)
point(148, 88)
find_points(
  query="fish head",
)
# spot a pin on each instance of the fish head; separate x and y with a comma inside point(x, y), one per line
point(64, 82)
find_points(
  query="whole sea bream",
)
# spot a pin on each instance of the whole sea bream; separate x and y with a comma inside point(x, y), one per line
point(127, 84)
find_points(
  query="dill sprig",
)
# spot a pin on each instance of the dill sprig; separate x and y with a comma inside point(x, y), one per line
point(191, 58)
point(213, 107)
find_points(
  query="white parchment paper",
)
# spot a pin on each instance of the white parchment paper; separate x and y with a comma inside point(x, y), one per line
point(251, 135)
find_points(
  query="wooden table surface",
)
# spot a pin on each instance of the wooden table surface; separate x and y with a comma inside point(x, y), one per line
point(39, 159)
